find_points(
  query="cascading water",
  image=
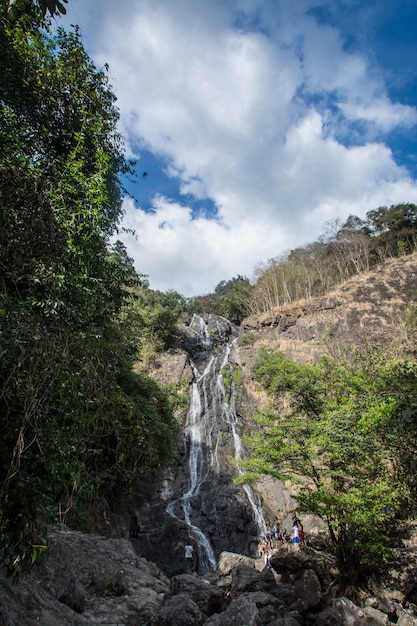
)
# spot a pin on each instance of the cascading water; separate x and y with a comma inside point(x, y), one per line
point(231, 418)
point(211, 418)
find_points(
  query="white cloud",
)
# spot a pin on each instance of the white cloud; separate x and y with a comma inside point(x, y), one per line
point(381, 113)
point(242, 116)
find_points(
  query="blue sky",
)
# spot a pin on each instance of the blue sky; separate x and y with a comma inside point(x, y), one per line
point(258, 122)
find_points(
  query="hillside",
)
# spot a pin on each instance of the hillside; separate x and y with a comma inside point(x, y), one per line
point(371, 304)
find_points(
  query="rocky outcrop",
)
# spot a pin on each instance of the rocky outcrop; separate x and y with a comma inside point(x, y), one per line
point(86, 579)
point(89, 579)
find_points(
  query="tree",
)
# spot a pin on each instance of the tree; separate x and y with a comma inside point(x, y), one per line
point(152, 317)
point(75, 420)
point(54, 7)
point(394, 229)
point(232, 298)
point(339, 442)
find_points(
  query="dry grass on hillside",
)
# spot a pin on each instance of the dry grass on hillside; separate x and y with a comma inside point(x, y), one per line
point(387, 287)
point(371, 305)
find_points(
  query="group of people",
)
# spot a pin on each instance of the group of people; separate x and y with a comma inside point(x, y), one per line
point(267, 545)
point(277, 536)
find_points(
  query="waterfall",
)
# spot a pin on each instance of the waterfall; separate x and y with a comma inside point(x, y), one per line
point(231, 418)
point(211, 413)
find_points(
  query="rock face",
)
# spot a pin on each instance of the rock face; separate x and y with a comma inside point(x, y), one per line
point(86, 579)
point(89, 579)
point(370, 304)
point(197, 502)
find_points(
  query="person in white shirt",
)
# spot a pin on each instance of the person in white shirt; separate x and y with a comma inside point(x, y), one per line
point(189, 557)
point(295, 535)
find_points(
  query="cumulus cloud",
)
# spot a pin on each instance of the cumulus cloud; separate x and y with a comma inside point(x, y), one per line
point(255, 108)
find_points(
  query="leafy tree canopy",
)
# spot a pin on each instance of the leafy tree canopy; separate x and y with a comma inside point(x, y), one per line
point(344, 434)
point(18, 7)
point(75, 420)
point(232, 298)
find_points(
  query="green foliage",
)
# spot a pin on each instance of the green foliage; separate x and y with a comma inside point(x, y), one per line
point(75, 422)
point(345, 434)
point(112, 589)
point(227, 381)
point(248, 339)
point(232, 299)
point(195, 306)
point(18, 7)
point(152, 317)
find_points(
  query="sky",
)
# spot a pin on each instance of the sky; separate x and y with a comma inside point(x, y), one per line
point(258, 123)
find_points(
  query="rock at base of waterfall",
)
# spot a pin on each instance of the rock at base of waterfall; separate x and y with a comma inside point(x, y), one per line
point(240, 611)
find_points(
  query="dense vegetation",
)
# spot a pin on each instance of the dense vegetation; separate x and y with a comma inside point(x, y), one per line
point(344, 433)
point(76, 421)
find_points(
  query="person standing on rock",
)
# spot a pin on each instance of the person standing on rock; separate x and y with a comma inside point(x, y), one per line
point(189, 558)
point(295, 535)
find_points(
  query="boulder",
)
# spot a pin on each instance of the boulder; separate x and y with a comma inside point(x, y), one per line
point(86, 579)
point(406, 619)
point(290, 559)
point(246, 579)
point(229, 561)
point(382, 604)
point(242, 611)
point(344, 612)
point(308, 588)
point(180, 610)
point(209, 598)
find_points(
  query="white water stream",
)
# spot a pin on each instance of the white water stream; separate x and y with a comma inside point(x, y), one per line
point(212, 405)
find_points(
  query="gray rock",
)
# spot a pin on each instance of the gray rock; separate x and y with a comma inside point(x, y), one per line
point(87, 579)
point(406, 619)
point(343, 612)
point(374, 616)
point(382, 604)
point(180, 610)
point(308, 588)
point(241, 611)
point(292, 558)
point(208, 597)
point(229, 561)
